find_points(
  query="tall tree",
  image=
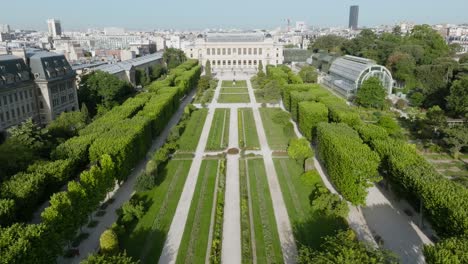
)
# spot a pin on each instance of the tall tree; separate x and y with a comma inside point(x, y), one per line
point(457, 101)
point(329, 43)
point(371, 93)
point(308, 74)
point(208, 68)
point(173, 57)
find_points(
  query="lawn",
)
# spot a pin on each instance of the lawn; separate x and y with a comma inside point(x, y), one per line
point(234, 98)
point(189, 140)
point(454, 169)
point(219, 132)
point(267, 244)
point(234, 90)
point(309, 227)
point(145, 239)
point(261, 100)
point(229, 84)
point(278, 136)
point(248, 137)
point(194, 244)
point(245, 205)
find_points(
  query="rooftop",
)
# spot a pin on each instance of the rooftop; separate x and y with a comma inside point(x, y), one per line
point(235, 37)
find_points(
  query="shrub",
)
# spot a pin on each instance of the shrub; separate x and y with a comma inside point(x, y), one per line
point(300, 150)
point(145, 182)
point(281, 117)
point(453, 250)
point(109, 242)
point(327, 203)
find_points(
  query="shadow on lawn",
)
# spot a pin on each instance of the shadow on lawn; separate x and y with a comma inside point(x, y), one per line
point(145, 245)
point(310, 232)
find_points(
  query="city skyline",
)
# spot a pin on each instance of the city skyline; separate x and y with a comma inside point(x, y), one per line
point(205, 14)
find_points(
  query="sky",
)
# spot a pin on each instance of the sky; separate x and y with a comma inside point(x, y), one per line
point(246, 14)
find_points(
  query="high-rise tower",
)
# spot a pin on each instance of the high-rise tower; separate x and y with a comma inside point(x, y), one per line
point(353, 17)
point(55, 29)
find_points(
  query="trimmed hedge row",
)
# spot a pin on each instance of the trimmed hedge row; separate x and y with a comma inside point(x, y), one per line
point(312, 114)
point(350, 163)
point(444, 201)
point(115, 145)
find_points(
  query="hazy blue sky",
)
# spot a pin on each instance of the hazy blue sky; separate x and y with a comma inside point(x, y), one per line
point(194, 14)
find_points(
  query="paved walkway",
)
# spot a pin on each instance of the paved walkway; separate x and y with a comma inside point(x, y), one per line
point(384, 217)
point(231, 249)
point(176, 231)
point(285, 231)
point(123, 193)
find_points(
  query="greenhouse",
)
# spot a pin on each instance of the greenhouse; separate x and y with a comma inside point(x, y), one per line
point(347, 74)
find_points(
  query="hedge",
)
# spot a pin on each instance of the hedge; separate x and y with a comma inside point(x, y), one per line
point(370, 132)
point(445, 202)
point(310, 115)
point(351, 165)
point(114, 143)
point(286, 93)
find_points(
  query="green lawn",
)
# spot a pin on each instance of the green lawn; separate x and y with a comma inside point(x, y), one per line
point(196, 233)
point(267, 244)
point(248, 137)
point(145, 239)
point(219, 132)
point(246, 229)
point(261, 100)
point(189, 140)
point(239, 84)
point(277, 135)
point(234, 90)
point(308, 226)
point(234, 98)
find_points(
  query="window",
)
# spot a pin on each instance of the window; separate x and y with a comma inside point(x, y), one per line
point(30, 93)
point(250, 51)
point(62, 87)
point(277, 55)
point(64, 99)
point(214, 63)
point(21, 95)
point(13, 113)
point(229, 51)
point(255, 51)
point(5, 102)
point(22, 110)
point(219, 51)
point(234, 62)
point(71, 97)
point(208, 52)
point(213, 51)
point(7, 116)
point(16, 97)
point(41, 105)
point(18, 112)
point(1, 117)
point(27, 108)
point(259, 51)
point(239, 62)
point(224, 62)
point(191, 55)
point(245, 51)
point(239, 51)
point(224, 51)
point(229, 62)
point(11, 98)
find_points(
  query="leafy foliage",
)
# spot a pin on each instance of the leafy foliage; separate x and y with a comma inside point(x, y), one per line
point(457, 101)
point(351, 165)
point(371, 93)
point(310, 115)
point(120, 258)
point(173, 57)
point(109, 242)
point(327, 203)
point(308, 74)
point(299, 149)
point(452, 250)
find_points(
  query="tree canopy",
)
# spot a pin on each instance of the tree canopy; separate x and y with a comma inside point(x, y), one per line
point(308, 74)
point(173, 57)
point(371, 94)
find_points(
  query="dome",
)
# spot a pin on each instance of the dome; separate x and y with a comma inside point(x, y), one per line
point(200, 36)
point(268, 35)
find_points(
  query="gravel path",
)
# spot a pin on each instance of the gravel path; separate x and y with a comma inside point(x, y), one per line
point(231, 249)
point(123, 193)
point(285, 231)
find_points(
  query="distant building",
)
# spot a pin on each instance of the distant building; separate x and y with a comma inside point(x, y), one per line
point(300, 26)
point(240, 52)
point(114, 31)
point(347, 74)
point(41, 89)
point(55, 28)
point(4, 28)
point(353, 17)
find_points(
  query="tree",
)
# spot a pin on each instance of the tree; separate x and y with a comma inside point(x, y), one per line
point(433, 44)
point(272, 91)
point(102, 88)
point(371, 93)
point(14, 157)
point(109, 242)
point(299, 150)
point(345, 248)
point(457, 101)
point(327, 203)
point(208, 68)
point(329, 43)
point(402, 65)
point(173, 57)
point(260, 68)
point(68, 124)
point(435, 118)
point(456, 138)
point(157, 71)
point(308, 74)
point(141, 77)
point(30, 135)
point(120, 258)
point(390, 125)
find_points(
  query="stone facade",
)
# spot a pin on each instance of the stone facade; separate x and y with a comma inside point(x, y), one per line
point(235, 52)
